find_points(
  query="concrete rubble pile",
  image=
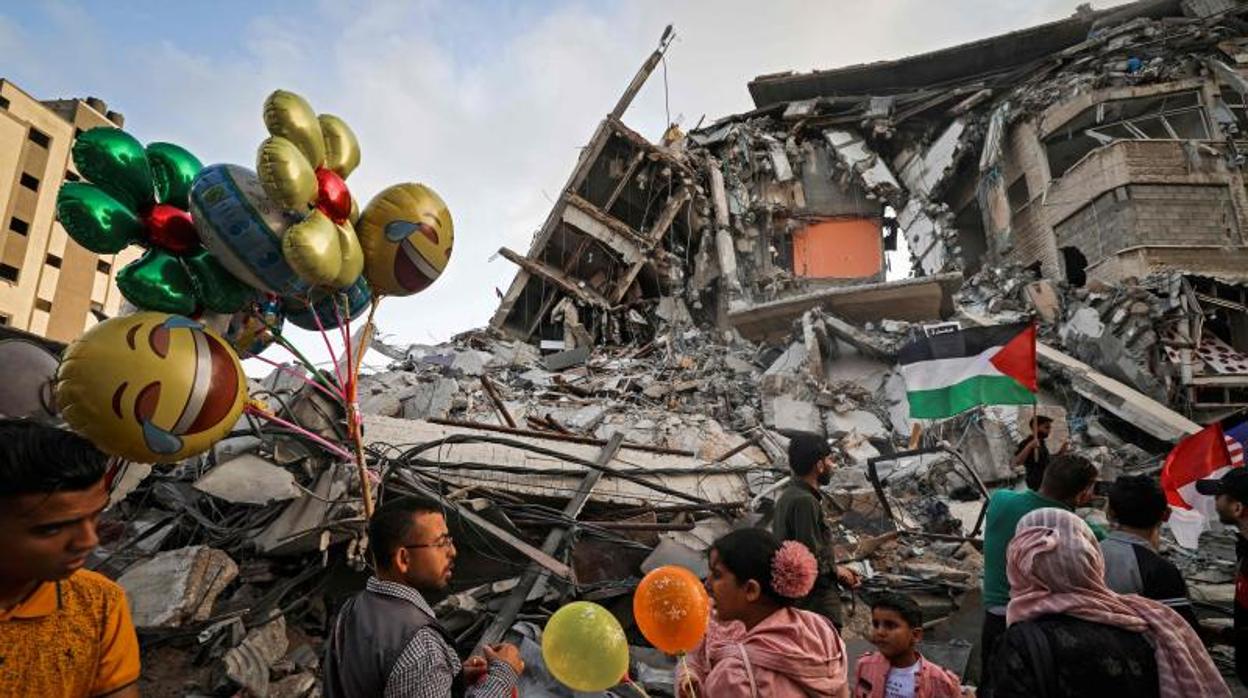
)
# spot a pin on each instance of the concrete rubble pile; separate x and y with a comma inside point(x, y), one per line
point(688, 303)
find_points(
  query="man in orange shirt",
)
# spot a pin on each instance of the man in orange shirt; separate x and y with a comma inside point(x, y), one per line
point(64, 630)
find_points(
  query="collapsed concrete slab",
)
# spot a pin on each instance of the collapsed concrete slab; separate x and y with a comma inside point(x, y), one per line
point(177, 587)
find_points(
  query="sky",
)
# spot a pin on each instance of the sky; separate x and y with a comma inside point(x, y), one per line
point(486, 101)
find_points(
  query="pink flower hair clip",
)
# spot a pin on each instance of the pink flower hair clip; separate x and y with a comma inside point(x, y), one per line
point(793, 570)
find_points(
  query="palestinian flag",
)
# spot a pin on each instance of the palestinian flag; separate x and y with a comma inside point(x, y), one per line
point(951, 371)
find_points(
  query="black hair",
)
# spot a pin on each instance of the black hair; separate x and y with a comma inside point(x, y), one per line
point(1041, 419)
point(1067, 475)
point(1137, 501)
point(903, 605)
point(805, 450)
point(748, 553)
point(39, 459)
point(392, 522)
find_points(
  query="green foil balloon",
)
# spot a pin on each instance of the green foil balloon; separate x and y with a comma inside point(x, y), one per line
point(158, 281)
point(96, 220)
point(117, 163)
point(173, 170)
point(219, 291)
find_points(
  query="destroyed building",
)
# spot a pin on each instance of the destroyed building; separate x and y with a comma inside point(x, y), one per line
point(686, 303)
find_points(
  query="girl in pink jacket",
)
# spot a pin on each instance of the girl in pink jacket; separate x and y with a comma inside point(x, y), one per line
point(758, 645)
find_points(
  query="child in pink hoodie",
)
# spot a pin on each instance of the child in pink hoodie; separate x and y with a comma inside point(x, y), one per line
point(897, 670)
point(758, 645)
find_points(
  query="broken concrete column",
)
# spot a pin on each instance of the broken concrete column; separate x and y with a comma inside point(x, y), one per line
point(177, 586)
point(247, 665)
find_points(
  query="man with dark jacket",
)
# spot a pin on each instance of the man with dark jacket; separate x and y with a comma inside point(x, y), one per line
point(386, 640)
point(1232, 504)
point(799, 517)
point(1137, 508)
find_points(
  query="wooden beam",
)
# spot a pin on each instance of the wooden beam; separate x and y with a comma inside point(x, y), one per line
point(588, 295)
point(629, 171)
point(499, 407)
point(554, 541)
point(634, 244)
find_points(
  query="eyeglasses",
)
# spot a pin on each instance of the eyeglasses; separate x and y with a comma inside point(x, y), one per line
point(443, 542)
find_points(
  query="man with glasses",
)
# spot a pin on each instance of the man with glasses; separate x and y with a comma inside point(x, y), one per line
point(386, 640)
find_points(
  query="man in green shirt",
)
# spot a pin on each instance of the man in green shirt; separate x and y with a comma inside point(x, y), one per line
point(799, 517)
point(1068, 483)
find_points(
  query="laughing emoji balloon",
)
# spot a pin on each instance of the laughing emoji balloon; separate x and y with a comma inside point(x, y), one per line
point(151, 387)
point(406, 232)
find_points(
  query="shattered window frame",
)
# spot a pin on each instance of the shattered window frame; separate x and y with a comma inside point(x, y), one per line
point(1177, 116)
point(1239, 108)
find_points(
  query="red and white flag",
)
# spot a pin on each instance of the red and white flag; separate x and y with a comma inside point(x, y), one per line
point(1204, 455)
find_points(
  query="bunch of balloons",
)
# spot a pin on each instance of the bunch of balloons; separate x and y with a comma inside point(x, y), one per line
point(137, 195)
point(585, 648)
point(237, 250)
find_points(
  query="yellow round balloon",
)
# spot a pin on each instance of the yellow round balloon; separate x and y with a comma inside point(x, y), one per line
point(406, 232)
point(151, 387)
point(585, 648)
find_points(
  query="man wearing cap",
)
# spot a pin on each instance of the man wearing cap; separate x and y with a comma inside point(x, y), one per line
point(1231, 492)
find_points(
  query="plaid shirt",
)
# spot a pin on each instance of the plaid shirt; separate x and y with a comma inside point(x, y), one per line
point(428, 665)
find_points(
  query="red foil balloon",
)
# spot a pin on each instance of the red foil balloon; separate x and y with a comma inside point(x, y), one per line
point(171, 229)
point(333, 198)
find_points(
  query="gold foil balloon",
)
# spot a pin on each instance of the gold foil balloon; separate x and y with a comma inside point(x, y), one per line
point(407, 233)
point(318, 246)
point(151, 387)
point(286, 174)
point(342, 150)
point(303, 166)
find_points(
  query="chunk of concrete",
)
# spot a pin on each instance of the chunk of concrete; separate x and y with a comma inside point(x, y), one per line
point(432, 400)
point(791, 362)
point(786, 414)
point(587, 418)
point(858, 422)
point(177, 587)
point(471, 362)
point(297, 529)
point(248, 479)
point(247, 665)
point(566, 359)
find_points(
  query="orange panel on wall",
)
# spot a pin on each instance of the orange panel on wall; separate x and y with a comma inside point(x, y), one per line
point(839, 249)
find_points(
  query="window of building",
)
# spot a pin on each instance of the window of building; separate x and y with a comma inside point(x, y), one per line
point(52, 261)
point(19, 226)
point(1176, 116)
point(39, 138)
point(103, 267)
point(41, 304)
point(71, 176)
point(4, 104)
point(5, 320)
point(30, 182)
point(1239, 108)
point(9, 273)
point(1018, 193)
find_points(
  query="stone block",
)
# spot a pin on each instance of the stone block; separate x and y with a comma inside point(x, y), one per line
point(248, 479)
point(177, 587)
point(786, 414)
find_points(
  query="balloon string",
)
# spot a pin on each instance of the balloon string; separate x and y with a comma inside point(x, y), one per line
point(682, 669)
point(289, 371)
point(294, 351)
point(354, 420)
point(637, 687)
point(323, 443)
point(316, 317)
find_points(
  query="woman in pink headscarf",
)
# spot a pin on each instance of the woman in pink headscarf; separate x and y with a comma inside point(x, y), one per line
point(1071, 636)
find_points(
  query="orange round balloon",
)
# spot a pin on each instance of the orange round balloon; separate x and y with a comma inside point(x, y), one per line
point(672, 609)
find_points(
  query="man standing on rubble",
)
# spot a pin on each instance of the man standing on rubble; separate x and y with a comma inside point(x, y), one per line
point(64, 630)
point(1032, 453)
point(799, 517)
point(387, 641)
point(1068, 484)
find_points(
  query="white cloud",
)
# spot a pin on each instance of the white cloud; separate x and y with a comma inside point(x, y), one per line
point(489, 110)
